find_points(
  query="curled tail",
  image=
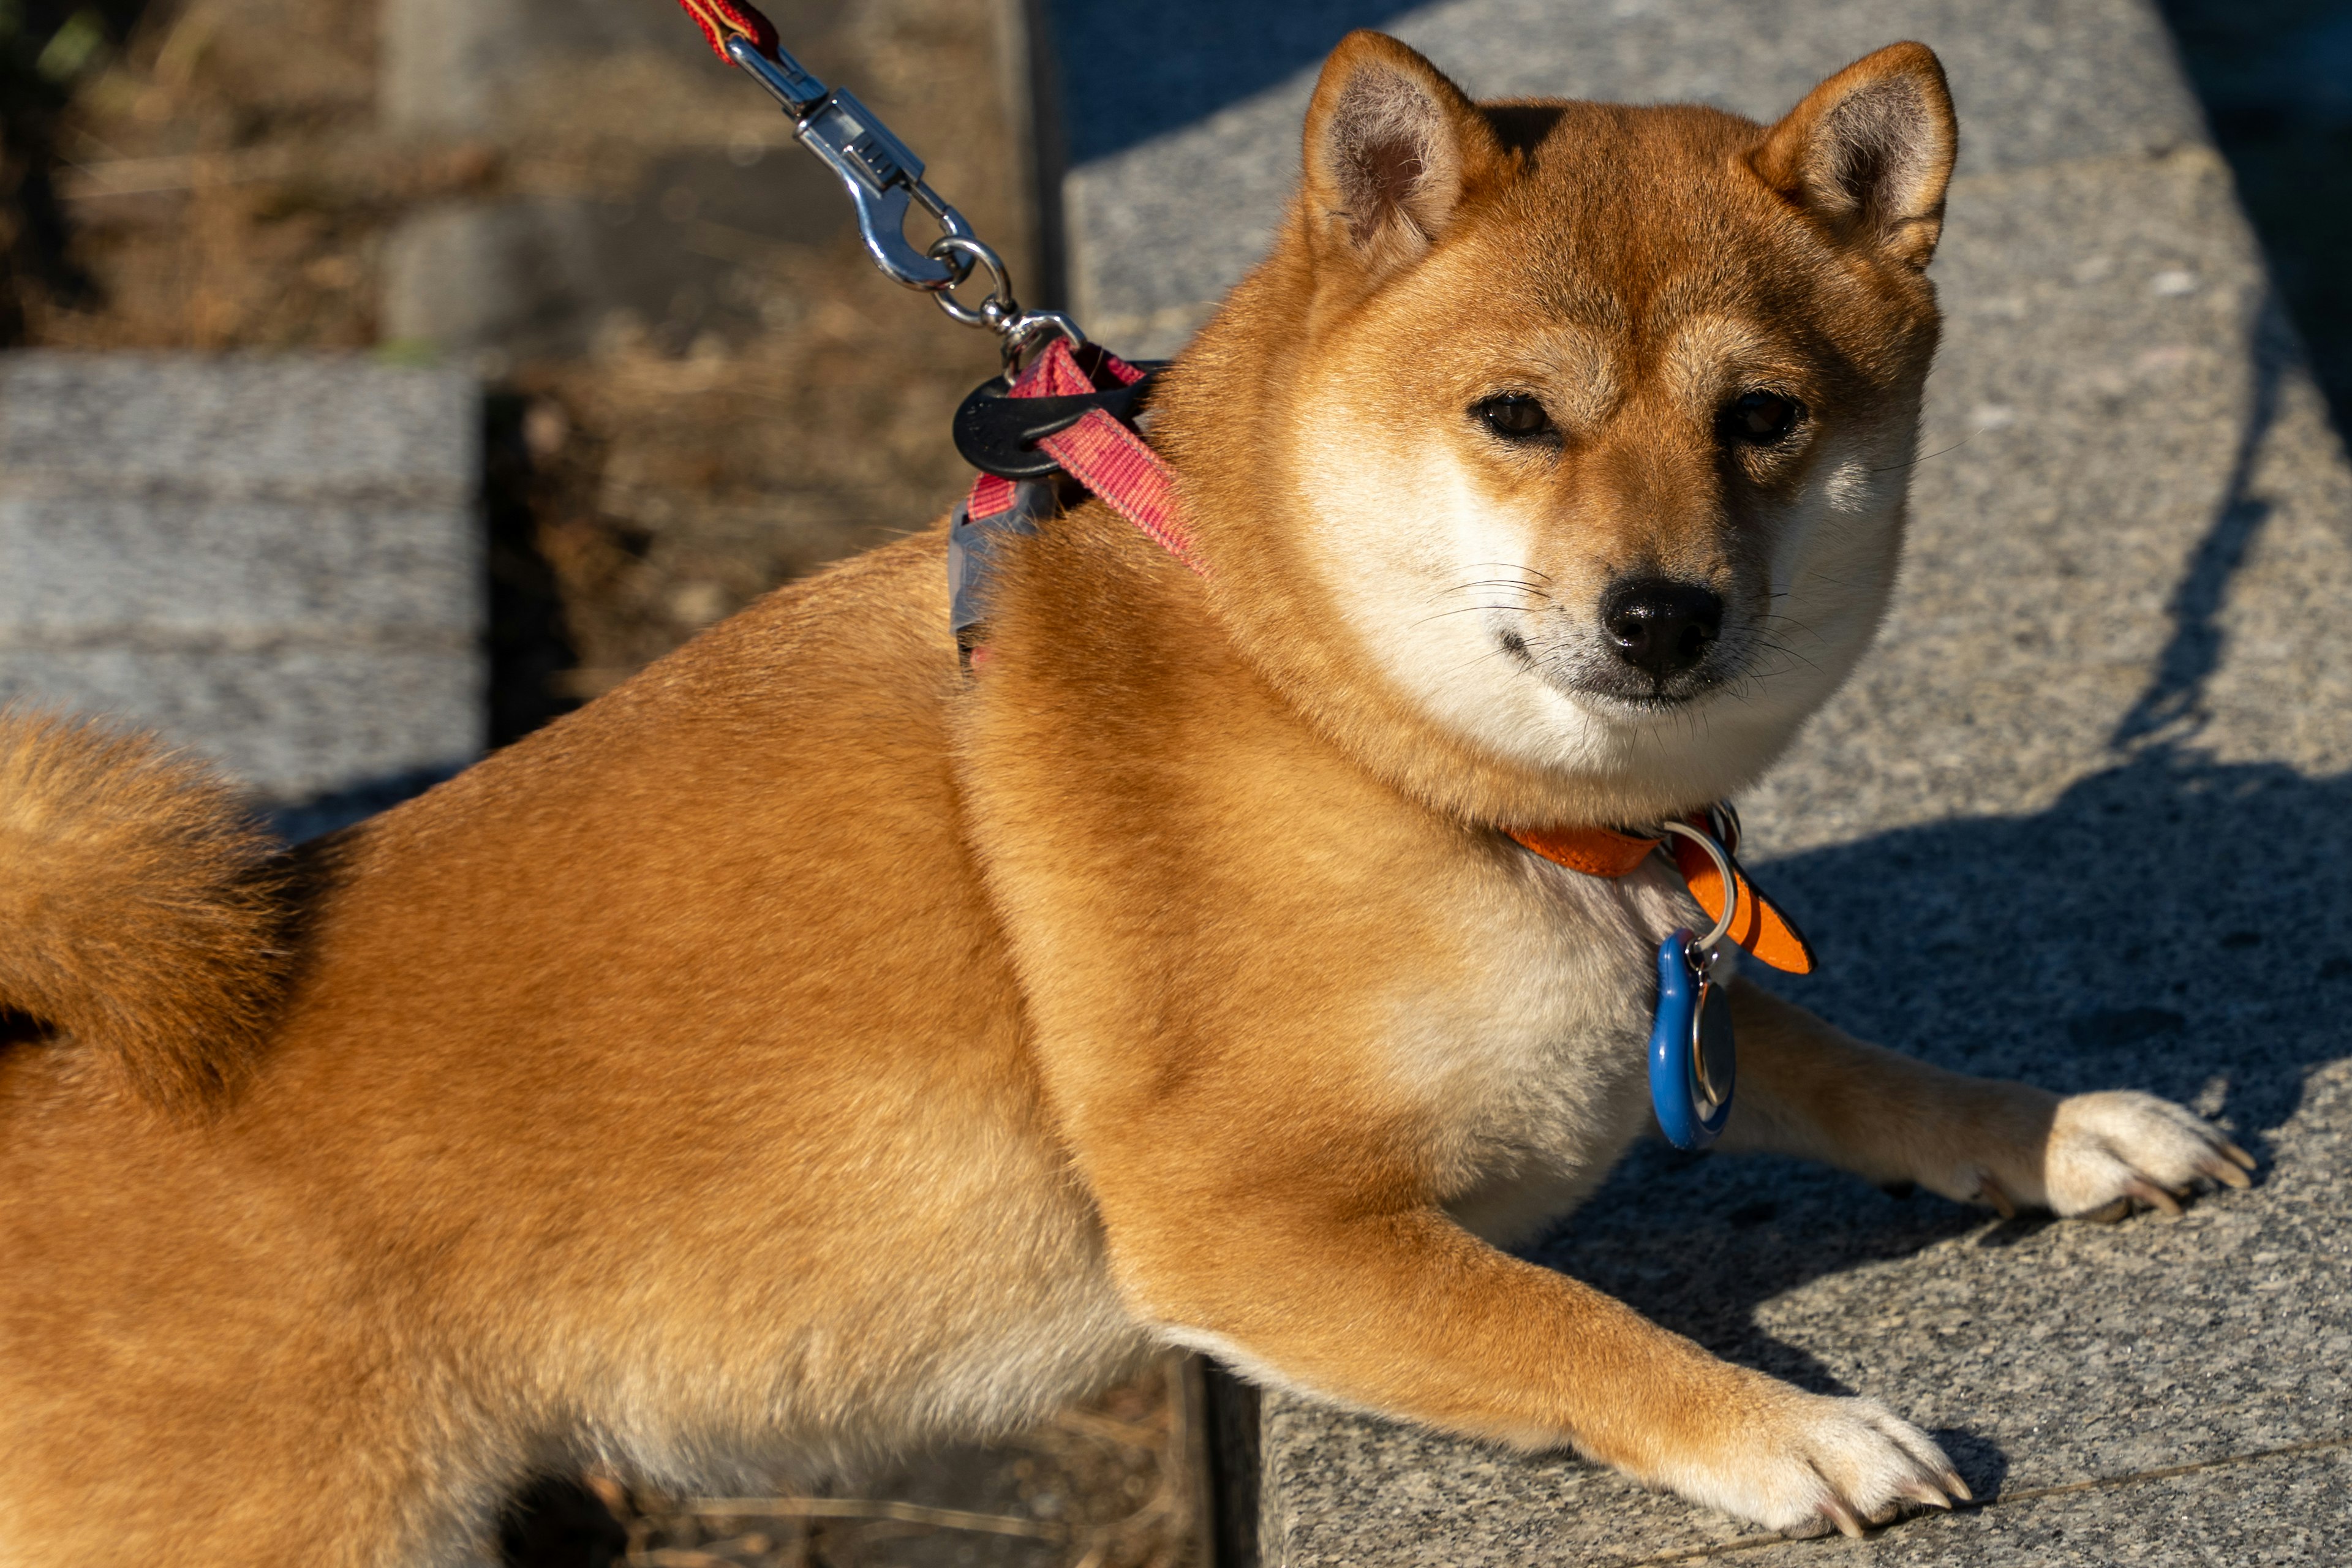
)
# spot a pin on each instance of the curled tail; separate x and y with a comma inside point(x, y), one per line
point(140, 913)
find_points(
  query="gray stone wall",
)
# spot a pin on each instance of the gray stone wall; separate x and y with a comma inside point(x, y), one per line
point(275, 562)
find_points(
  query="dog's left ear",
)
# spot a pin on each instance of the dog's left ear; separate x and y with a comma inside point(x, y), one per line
point(1869, 152)
point(1389, 144)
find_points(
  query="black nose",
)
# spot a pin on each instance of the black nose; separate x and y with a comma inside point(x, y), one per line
point(1659, 625)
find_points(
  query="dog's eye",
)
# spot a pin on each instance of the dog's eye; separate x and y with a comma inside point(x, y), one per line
point(1513, 416)
point(1761, 418)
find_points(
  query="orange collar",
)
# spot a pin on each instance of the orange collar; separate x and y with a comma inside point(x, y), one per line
point(1758, 926)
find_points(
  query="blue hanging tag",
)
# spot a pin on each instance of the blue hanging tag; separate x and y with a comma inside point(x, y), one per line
point(1693, 1065)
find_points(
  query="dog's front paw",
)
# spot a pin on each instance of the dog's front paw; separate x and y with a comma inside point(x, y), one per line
point(1805, 1464)
point(2107, 1152)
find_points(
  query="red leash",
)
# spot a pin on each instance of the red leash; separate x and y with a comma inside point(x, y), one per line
point(723, 19)
point(1099, 450)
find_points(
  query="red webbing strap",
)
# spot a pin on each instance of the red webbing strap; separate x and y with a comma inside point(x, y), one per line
point(1112, 460)
point(990, 497)
point(723, 19)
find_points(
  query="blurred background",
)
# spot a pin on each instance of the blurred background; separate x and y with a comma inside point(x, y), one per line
point(694, 387)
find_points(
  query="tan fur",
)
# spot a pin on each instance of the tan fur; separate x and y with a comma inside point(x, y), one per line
point(807, 1050)
point(138, 907)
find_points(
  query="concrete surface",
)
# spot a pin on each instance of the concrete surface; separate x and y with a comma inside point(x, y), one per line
point(276, 562)
point(2079, 818)
point(2036, 80)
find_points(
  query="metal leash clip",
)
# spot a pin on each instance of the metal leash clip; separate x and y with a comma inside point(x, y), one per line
point(885, 179)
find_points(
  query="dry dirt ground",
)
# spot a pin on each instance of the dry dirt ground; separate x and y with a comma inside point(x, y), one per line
point(211, 174)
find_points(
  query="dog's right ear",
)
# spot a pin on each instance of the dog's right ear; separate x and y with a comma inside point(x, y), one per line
point(1388, 143)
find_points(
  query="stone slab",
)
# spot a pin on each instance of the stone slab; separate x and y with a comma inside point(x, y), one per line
point(2042, 1355)
point(1164, 107)
point(296, 721)
point(303, 424)
point(2129, 516)
point(2077, 819)
point(277, 563)
point(542, 274)
point(2291, 1507)
point(204, 573)
point(460, 67)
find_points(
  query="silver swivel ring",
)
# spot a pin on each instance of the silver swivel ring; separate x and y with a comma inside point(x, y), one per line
point(1703, 950)
point(967, 256)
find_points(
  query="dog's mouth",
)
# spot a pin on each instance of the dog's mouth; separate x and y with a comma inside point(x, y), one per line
point(1648, 693)
point(1592, 664)
point(1644, 692)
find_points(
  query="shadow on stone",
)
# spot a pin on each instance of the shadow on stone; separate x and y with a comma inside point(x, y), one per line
point(2272, 75)
point(2163, 926)
point(1982, 1463)
point(2170, 707)
point(1152, 70)
point(530, 648)
point(556, 1522)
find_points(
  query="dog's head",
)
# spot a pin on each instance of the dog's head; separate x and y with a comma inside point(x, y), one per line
point(1593, 424)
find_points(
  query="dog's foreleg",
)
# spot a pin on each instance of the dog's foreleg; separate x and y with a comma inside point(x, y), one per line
point(1404, 1313)
point(1809, 1088)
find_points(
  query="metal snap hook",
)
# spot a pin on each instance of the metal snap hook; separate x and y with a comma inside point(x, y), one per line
point(884, 178)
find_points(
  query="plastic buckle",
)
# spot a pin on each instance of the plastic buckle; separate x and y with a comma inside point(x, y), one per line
point(999, 434)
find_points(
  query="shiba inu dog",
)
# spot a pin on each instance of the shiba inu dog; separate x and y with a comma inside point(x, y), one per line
point(810, 1049)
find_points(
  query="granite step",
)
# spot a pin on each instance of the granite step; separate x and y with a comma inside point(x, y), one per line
point(2078, 818)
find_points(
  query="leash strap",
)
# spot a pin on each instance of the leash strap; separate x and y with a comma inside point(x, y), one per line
point(723, 19)
point(1757, 925)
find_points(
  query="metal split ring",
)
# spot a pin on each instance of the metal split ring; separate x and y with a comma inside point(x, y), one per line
point(962, 252)
point(1703, 948)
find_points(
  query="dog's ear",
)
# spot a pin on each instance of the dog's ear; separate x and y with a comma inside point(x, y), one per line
point(1389, 144)
point(1869, 152)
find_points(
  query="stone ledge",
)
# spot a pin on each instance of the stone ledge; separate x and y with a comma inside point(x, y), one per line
point(2073, 820)
point(188, 565)
point(276, 562)
point(227, 425)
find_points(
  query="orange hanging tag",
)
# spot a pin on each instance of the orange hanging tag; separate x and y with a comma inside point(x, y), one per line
point(1757, 925)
